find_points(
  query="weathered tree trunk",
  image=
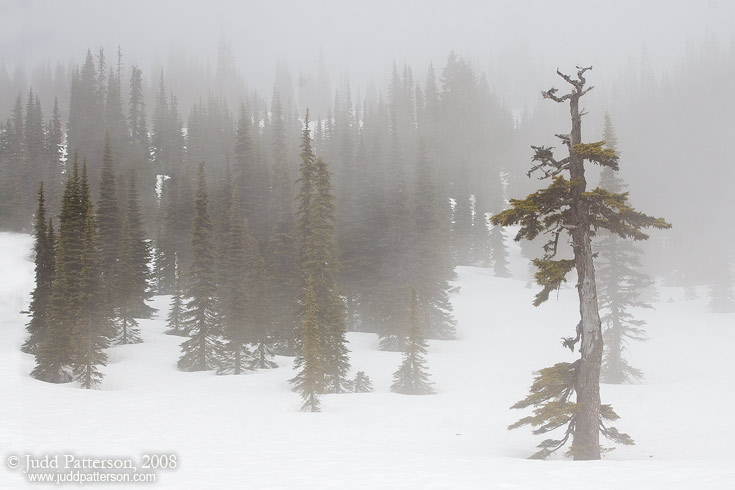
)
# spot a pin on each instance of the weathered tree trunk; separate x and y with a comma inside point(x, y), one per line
point(586, 443)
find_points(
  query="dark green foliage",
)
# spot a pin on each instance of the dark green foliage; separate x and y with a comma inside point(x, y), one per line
point(56, 348)
point(78, 316)
point(202, 349)
point(44, 266)
point(125, 289)
point(108, 221)
point(412, 377)
point(92, 329)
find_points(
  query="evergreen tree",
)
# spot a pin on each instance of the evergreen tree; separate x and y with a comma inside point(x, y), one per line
point(412, 378)
point(140, 251)
point(322, 259)
point(128, 330)
point(281, 249)
point(108, 221)
point(261, 323)
point(92, 328)
point(175, 318)
point(621, 285)
point(309, 382)
point(202, 350)
point(565, 206)
point(430, 255)
point(235, 300)
point(136, 112)
point(321, 345)
point(499, 253)
point(54, 148)
point(86, 125)
point(44, 266)
point(56, 347)
point(16, 175)
point(362, 383)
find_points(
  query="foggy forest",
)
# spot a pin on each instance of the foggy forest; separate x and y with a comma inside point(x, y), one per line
point(411, 244)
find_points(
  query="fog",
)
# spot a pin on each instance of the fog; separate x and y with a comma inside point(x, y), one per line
point(517, 43)
point(180, 218)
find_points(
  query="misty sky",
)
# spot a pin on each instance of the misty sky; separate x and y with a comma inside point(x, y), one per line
point(363, 38)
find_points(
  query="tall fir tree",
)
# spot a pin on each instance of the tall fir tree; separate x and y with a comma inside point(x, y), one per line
point(175, 318)
point(56, 348)
point(412, 377)
point(44, 266)
point(140, 251)
point(322, 355)
point(136, 111)
point(201, 351)
point(621, 285)
point(430, 255)
point(235, 301)
point(92, 329)
point(108, 221)
point(322, 260)
point(309, 382)
point(566, 207)
point(125, 289)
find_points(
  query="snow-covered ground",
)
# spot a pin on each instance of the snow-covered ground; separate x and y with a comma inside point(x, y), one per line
point(246, 432)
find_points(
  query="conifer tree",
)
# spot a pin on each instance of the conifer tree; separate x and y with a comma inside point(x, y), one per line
point(175, 318)
point(140, 251)
point(54, 142)
point(309, 382)
point(202, 349)
point(566, 207)
point(621, 285)
point(56, 347)
point(430, 255)
point(136, 112)
point(13, 206)
point(92, 329)
point(323, 260)
point(235, 297)
point(498, 252)
point(44, 266)
point(261, 328)
point(362, 383)
point(281, 249)
point(108, 221)
point(128, 330)
point(322, 354)
point(412, 377)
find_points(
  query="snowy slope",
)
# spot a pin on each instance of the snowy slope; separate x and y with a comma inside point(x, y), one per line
point(246, 432)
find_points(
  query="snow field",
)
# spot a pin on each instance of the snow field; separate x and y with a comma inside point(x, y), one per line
point(246, 432)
